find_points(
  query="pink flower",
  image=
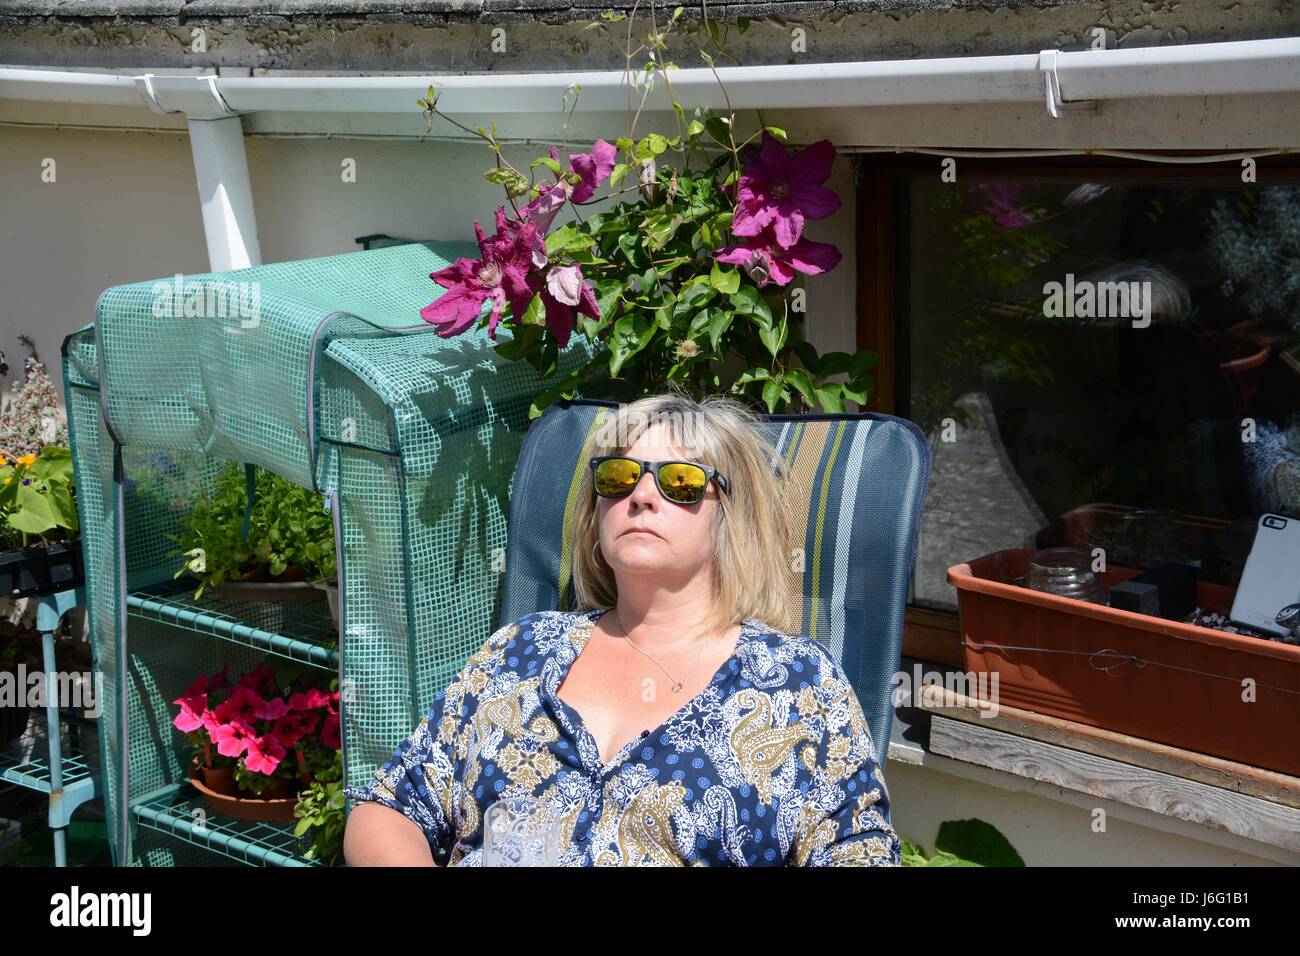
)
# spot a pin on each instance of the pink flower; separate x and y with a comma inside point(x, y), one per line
point(264, 754)
point(594, 168)
point(766, 260)
point(591, 168)
point(564, 291)
point(1002, 201)
point(782, 191)
point(329, 732)
point(292, 727)
point(243, 704)
point(192, 708)
point(260, 679)
point(504, 274)
point(312, 699)
point(232, 738)
point(272, 709)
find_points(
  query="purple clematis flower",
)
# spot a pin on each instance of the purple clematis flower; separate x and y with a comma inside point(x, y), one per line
point(767, 260)
point(593, 169)
point(565, 293)
point(1002, 201)
point(506, 273)
point(780, 191)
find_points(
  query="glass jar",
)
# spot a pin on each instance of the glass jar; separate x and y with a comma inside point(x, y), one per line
point(1066, 572)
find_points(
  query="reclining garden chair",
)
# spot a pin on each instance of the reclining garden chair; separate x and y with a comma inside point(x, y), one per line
point(863, 478)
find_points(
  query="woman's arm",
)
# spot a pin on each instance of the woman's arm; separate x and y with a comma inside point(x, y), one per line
point(377, 835)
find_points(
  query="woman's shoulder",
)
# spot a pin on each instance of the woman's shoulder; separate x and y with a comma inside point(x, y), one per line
point(769, 644)
point(540, 628)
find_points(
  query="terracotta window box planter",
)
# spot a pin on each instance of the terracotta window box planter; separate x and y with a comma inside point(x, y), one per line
point(1145, 676)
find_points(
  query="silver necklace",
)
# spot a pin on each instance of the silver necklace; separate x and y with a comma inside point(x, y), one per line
point(677, 684)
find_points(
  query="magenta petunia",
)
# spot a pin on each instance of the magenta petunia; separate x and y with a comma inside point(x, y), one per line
point(192, 706)
point(231, 738)
point(260, 679)
point(781, 191)
point(264, 754)
point(329, 732)
point(766, 260)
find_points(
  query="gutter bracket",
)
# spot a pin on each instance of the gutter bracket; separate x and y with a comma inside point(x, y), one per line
point(1056, 104)
point(145, 86)
point(197, 97)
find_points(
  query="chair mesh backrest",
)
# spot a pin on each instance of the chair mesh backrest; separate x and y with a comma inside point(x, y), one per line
point(861, 483)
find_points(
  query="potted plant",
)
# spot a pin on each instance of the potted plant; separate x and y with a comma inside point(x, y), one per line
point(289, 542)
point(257, 743)
point(689, 278)
point(37, 490)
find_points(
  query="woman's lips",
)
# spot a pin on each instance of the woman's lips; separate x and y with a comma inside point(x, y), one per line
point(640, 531)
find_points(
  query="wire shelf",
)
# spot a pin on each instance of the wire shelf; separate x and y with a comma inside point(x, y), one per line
point(180, 812)
point(298, 631)
point(26, 760)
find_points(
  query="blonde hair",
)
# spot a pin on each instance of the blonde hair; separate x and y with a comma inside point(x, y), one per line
point(752, 529)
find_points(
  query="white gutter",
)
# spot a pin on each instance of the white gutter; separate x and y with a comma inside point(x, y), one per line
point(1053, 77)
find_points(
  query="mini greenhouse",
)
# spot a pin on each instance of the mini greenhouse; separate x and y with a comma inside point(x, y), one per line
point(322, 372)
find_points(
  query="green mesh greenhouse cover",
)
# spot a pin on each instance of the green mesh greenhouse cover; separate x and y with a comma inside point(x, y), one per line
point(323, 372)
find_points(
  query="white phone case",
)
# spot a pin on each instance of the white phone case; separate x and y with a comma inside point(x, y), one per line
point(1271, 578)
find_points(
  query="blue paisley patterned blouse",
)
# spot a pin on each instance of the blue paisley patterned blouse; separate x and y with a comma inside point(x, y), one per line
point(771, 764)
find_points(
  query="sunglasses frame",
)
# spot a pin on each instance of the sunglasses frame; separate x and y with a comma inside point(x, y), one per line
point(710, 474)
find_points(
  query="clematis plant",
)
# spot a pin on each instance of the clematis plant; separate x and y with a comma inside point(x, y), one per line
point(264, 730)
point(692, 273)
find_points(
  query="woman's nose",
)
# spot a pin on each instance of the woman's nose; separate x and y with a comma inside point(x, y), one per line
point(645, 491)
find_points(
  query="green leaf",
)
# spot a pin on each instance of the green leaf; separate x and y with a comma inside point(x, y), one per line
point(862, 361)
point(617, 175)
point(772, 393)
point(860, 389)
point(802, 382)
point(624, 144)
point(831, 398)
point(776, 131)
point(718, 325)
point(535, 314)
point(695, 129)
point(725, 279)
point(719, 127)
point(773, 337)
point(749, 302)
point(977, 841)
point(516, 184)
point(630, 335)
point(607, 297)
point(552, 164)
point(832, 363)
point(713, 31)
point(742, 23)
point(567, 239)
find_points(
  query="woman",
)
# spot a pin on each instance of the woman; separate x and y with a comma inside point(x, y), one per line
point(674, 723)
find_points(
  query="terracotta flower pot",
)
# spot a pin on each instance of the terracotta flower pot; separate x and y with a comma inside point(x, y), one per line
point(218, 788)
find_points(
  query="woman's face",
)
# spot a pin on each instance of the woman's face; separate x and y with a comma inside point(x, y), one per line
point(646, 534)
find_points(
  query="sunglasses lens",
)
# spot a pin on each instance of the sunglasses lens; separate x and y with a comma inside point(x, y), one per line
point(617, 476)
point(682, 483)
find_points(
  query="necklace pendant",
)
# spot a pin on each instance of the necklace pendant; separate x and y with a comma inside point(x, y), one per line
point(677, 688)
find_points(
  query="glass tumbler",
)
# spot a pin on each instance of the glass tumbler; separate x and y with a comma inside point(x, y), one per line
point(1066, 572)
point(519, 831)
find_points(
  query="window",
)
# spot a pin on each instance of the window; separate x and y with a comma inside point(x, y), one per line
point(1102, 355)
